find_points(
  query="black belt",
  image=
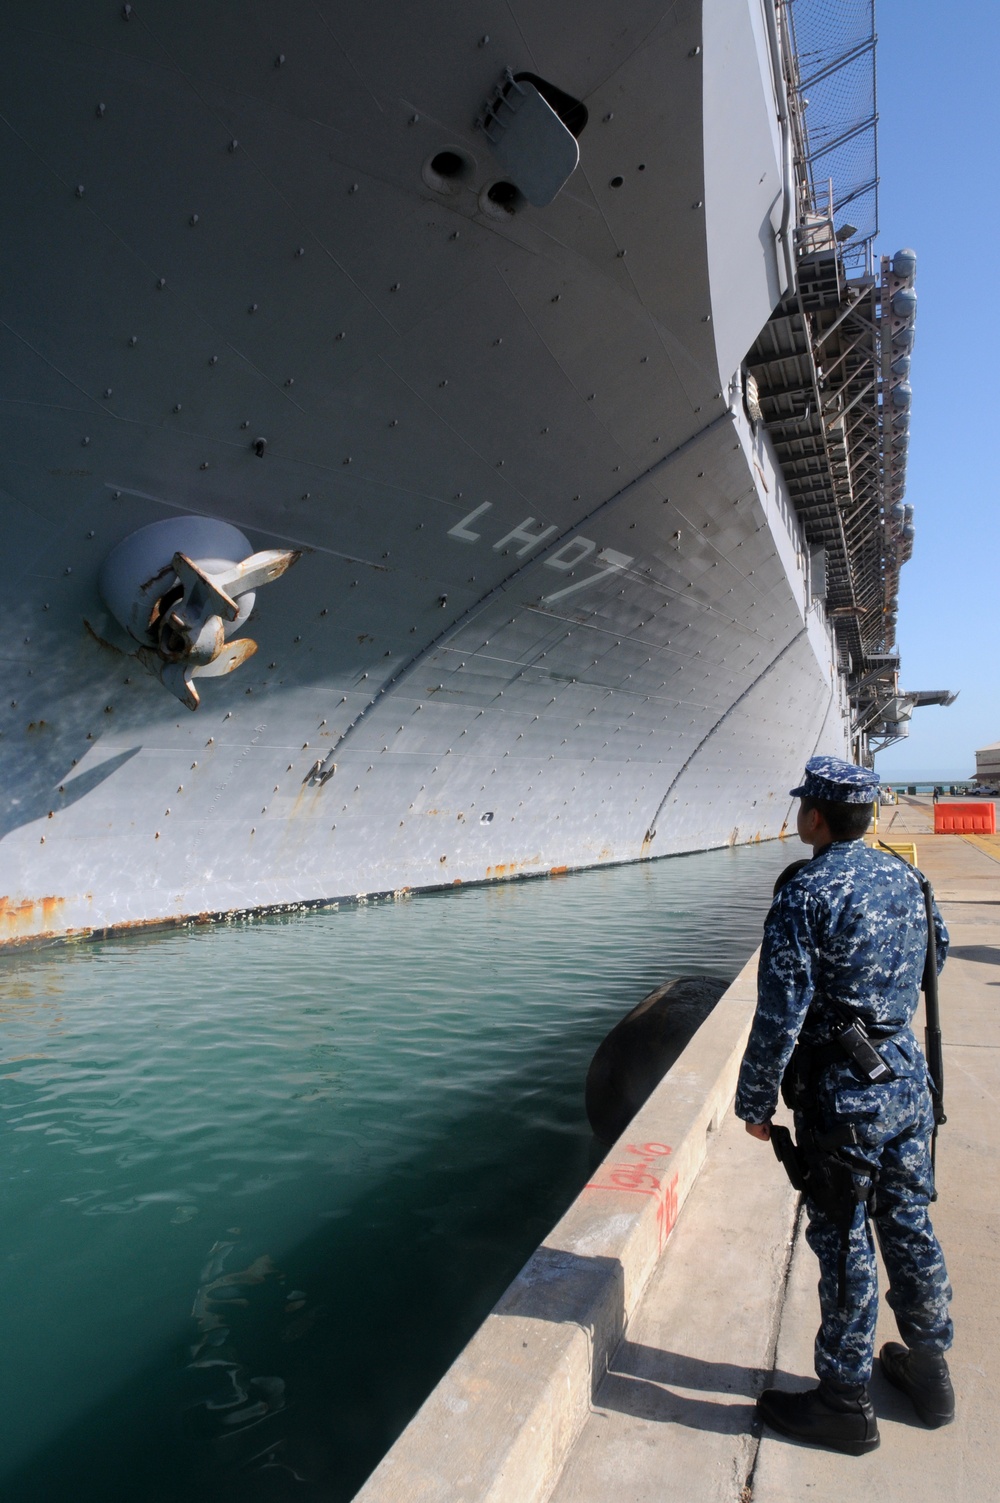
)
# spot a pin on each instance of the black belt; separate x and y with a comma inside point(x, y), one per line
point(825, 1054)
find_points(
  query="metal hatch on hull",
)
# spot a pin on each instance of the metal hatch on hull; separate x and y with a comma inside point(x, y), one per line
point(532, 128)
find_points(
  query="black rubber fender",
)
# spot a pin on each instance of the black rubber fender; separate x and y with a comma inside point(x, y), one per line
point(634, 1057)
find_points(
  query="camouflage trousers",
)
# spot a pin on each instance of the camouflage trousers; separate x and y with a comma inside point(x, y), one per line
point(893, 1124)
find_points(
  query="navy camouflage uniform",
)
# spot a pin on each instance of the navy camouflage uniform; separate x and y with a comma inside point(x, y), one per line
point(851, 926)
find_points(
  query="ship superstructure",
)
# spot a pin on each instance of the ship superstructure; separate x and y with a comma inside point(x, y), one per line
point(391, 499)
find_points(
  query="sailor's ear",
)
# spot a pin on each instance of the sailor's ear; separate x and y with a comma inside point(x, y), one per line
point(811, 820)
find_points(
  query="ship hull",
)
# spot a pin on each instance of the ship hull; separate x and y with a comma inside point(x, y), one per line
point(552, 605)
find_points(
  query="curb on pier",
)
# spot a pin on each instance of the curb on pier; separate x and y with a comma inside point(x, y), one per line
point(500, 1424)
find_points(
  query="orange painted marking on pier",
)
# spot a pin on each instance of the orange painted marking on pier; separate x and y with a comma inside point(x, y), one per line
point(668, 1211)
point(636, 1177)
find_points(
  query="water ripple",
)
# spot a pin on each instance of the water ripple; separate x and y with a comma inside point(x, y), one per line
point(361, 1120)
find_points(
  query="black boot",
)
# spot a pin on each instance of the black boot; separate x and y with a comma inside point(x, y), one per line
point(839, 1419)
point(922, 1374)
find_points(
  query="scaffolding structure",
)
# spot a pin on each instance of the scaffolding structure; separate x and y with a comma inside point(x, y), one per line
point(829, 373)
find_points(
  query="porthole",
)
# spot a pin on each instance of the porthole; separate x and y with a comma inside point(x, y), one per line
point(501, 199)
point(448, 169)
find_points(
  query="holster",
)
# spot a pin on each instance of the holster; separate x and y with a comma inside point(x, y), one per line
point(818, 1169)
point(788, 1157)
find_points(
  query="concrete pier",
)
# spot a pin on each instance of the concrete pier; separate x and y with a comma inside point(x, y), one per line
point(624, 1363)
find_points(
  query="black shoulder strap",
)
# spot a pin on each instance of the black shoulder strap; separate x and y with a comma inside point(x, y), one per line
point(933, 1043)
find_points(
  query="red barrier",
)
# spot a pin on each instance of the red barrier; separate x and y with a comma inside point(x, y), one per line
point(965, 819)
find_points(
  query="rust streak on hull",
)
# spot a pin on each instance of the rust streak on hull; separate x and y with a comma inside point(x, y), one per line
point(28, 917)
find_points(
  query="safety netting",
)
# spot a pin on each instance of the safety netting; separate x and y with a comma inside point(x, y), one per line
point(834, 77)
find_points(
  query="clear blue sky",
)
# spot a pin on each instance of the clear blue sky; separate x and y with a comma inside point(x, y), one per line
point(938, 149)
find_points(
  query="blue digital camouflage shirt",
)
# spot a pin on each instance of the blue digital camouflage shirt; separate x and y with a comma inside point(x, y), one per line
point(850, 926)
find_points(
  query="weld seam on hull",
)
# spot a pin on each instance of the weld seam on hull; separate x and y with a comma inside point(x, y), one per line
point(721, 720)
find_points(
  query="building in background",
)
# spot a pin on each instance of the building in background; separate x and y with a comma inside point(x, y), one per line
point(988, 765)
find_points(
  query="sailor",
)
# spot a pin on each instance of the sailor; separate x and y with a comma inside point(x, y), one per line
point(841, 963)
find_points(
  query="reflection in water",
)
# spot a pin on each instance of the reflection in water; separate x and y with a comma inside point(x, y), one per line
point(238, 1402)
point(263, 1182)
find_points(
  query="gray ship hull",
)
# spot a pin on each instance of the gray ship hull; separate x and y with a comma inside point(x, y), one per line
point(552, 607)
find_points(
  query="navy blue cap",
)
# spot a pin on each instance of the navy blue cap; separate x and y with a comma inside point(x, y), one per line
point(840, 782)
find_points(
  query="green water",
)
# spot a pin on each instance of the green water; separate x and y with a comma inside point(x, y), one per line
point(262, 1182)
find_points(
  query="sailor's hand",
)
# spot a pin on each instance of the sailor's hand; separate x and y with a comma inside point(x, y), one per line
point(761, 1130)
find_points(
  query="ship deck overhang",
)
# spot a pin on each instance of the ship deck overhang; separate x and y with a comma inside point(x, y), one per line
point(827, 376)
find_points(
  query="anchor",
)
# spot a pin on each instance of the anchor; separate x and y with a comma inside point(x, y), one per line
point(182, 609)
